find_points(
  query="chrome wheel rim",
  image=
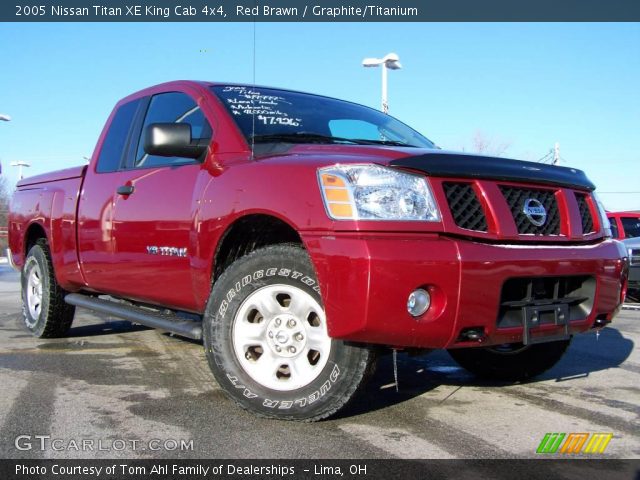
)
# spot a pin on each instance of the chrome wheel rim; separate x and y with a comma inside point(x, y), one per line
point(280, 337)
point(34, 293)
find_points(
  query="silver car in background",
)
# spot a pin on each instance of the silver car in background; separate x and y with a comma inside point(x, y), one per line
point(633, 248)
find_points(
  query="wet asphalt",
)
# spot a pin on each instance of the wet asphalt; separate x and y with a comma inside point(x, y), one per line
point(116, 385)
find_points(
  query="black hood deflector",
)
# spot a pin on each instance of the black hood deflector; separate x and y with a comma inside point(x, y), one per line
point(476, 166)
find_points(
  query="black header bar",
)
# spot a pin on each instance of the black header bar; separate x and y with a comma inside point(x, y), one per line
point(126, 469)
point(320, 11)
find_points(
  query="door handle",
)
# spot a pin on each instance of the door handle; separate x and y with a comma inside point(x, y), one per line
point(126, 190)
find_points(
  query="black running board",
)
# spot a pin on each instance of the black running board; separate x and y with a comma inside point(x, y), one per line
point(170, 323)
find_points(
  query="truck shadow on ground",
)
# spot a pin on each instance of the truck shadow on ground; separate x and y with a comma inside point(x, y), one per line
point(588, 353)
point(105, 328)
point(113, 327)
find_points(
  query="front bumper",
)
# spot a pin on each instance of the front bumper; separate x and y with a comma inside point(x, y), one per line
point(365, 280)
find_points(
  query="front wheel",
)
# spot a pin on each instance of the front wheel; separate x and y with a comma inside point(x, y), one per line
point(267, 343)
point(510, 362)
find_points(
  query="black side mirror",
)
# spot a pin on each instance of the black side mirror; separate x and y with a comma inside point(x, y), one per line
point(172, 140)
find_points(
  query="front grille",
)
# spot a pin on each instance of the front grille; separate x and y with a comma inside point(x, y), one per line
point(516, 198)
point(634, 256)
point(585, 213)
point(465, 207)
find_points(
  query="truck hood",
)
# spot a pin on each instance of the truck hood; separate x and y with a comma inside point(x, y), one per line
point(442, 163)
point(633, 242)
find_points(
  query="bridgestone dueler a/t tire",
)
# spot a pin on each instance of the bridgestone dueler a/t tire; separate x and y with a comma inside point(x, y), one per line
point(519, 364)
point(55, 316)
point(347, 366)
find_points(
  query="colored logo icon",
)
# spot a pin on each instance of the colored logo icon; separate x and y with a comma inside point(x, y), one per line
point(574, 443)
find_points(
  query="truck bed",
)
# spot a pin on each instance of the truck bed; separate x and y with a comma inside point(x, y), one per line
point(49, 202)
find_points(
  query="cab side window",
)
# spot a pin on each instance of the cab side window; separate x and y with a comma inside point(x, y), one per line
point(172, 107)
point(117, 138)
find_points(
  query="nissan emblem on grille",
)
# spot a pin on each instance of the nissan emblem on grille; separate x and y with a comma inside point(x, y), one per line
point(535, 211)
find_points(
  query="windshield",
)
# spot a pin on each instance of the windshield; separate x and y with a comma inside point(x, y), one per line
point(267, 115)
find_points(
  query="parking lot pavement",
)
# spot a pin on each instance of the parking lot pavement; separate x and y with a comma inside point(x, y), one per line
point(112, 381)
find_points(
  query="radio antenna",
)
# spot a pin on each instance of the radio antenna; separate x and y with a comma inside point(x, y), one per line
point(253, 110)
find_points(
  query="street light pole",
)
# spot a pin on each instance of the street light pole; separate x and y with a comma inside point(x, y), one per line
point(385, 102)
point(20, 164)
point(388, 62)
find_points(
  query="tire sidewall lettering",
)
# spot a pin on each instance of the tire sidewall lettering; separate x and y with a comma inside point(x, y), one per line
point(245, 390)
point(269, 272)
point(308, 399)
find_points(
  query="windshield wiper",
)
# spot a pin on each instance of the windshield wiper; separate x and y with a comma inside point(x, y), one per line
point(309, 137)
point(300, 137)
point(363, 141)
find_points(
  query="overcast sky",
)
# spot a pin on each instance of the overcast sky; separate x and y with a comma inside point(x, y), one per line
point(522, 85)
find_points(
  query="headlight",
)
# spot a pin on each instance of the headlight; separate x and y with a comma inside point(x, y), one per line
point(604, 221)
point(372, 192)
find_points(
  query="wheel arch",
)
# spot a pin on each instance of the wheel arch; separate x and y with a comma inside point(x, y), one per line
point(248, 233)
point(34, 232)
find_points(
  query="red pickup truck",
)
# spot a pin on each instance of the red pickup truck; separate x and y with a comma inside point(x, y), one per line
point(298, 235)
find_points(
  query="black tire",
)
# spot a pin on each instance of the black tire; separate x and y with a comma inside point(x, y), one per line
point(633, 295)
point(44, 312)
point(341, 369)
point(512, 362)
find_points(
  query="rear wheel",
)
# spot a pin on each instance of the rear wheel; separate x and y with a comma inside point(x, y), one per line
point(44, 311)
point(510, 362)
point(266, 339)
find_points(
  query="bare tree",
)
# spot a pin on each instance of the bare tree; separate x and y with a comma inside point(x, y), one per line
point(485, 145)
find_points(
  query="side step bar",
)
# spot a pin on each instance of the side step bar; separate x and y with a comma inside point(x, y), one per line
point(170, 323)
